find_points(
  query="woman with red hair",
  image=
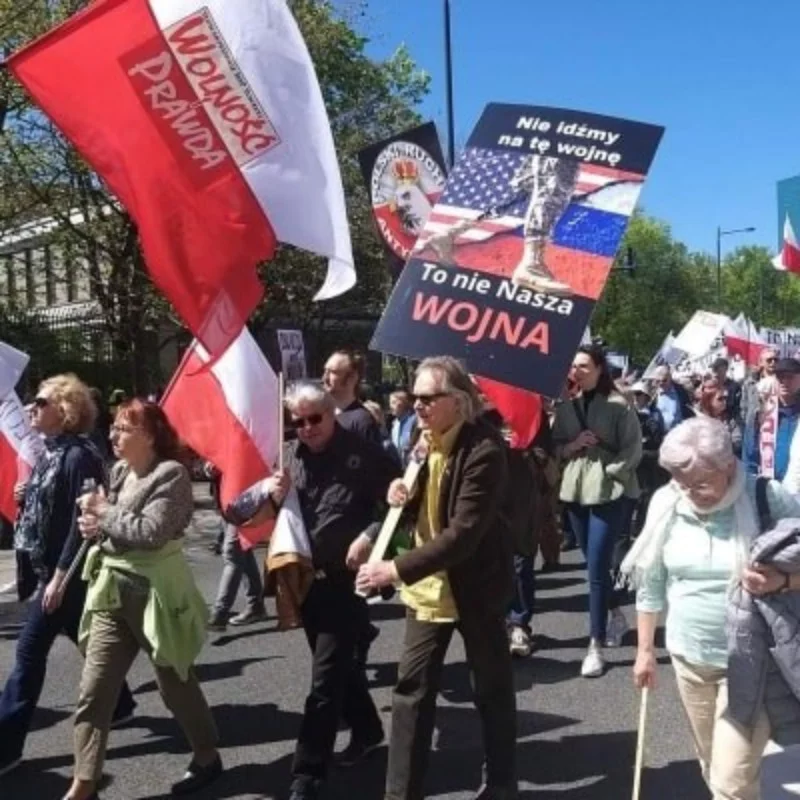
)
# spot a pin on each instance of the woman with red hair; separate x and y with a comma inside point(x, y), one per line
point(141, 596)
point(712, 401)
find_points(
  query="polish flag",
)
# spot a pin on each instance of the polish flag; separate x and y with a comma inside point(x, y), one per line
point(206, 119)
point(228, 415)
point(743, 339)
point(789, 257)
point(521, 409)
point(19, 445)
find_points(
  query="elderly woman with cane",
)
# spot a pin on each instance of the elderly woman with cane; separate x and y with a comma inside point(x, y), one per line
point(141, 596)
point(693, 549)
point(46, 532)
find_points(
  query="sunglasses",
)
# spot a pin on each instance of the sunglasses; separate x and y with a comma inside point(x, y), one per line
point(298, 423)
point(429, 399)
point(41, 402)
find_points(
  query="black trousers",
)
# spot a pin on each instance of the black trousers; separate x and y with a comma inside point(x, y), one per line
point(414, 701)
point(334, 618)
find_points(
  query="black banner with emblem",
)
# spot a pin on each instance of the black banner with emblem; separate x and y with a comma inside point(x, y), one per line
point(405, 176)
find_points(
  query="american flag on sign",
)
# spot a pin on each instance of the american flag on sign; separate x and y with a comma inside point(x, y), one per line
point(480, 189)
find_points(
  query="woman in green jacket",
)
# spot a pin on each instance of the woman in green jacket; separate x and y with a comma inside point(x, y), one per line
point(141, 596)
point(599, 441)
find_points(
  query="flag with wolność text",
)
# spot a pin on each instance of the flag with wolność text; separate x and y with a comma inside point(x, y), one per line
point(206, 120)
point(228, 414)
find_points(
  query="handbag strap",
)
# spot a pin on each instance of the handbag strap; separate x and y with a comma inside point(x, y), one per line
point(762, 505)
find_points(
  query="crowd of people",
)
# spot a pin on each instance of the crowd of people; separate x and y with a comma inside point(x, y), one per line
point(661, 483)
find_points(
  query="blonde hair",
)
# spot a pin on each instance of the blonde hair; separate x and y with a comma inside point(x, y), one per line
point(74, 400)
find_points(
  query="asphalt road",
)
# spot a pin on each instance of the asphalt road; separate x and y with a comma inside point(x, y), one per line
point(576, 736)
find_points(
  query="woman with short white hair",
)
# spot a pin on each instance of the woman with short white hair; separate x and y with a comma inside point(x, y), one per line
point(694, 545)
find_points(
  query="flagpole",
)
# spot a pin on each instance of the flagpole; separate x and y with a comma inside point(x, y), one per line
point(448, 67)
point(281, 421)
point(178, 372)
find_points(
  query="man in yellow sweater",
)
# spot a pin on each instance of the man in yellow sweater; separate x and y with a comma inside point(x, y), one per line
point(457, 576)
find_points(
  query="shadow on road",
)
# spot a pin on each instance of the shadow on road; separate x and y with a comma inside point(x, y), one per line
point(215, 671)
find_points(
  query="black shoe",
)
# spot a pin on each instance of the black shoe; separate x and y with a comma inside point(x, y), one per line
point(550, 567)
point(357, 751)
point(198, 777)
point(568, 545)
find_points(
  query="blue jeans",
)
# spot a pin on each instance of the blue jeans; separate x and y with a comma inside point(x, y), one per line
point(521, 611)
point(237, 563)
point(596, 528)
point(24, 686)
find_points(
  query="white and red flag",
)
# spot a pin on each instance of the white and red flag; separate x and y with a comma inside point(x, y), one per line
point(742, 338)
point(789, 257)
point(228, 414)
point(206, 119)
point(19, 445)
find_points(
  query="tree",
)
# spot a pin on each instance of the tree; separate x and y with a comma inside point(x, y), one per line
point(41, 176)
point(638, 309)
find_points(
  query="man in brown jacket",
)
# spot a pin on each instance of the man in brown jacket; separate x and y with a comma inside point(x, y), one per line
point(458, 575)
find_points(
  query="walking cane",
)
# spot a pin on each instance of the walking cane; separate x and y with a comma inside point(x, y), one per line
point(637, 774)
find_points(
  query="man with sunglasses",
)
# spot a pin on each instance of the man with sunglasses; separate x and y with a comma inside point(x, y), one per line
point(341, 481)
point(458, 576)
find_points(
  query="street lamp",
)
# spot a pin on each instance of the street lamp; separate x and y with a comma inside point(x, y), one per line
point(448, 71)
point(720, 234)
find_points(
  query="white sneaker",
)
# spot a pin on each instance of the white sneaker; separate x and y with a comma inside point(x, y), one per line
point(593, 665)
point(520, 642)
point(616, 629)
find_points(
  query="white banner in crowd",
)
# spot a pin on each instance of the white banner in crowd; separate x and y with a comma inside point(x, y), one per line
point(293, 355)
point(700, 334)
point(667, 355)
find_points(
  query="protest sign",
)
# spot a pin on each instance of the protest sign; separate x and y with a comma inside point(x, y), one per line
point(698, 336)
point(405, 176)
point(508, 268)
point(667, 356)
point(785, 340)
point(293, 355)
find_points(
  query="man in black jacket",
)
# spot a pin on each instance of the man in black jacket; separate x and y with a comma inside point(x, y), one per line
point(341, 481)
point(458, 576)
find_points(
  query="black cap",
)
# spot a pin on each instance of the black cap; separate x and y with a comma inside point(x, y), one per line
point(787, 366)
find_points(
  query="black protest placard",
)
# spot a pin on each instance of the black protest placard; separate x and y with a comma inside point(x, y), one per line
point(515, 254)
point(405, 176)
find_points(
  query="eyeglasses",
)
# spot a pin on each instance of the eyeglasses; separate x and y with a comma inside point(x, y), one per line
point(770, 360)
point(429, 399)
point(299, 423)
point(41, 402)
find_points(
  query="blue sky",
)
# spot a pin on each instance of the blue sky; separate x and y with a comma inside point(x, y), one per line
point(721, 76)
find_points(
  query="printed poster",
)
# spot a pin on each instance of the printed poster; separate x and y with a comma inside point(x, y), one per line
point(515, 254)
point(293, 355)
point(405, 176)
